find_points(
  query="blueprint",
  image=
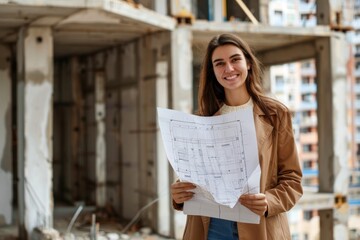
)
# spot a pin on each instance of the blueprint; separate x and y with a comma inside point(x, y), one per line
point(219, 154)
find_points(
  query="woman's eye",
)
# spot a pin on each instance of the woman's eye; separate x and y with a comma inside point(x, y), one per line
point(218, 64)
point(236, 59)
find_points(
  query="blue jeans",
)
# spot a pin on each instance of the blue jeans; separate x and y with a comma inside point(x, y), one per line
point(221, 229)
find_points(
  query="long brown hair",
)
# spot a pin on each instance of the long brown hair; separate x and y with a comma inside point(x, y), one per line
point(212, 95)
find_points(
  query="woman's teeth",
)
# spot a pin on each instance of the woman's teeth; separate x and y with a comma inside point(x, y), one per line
point(231, 77)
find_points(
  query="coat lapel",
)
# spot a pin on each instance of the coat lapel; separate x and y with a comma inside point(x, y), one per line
point(262, 128)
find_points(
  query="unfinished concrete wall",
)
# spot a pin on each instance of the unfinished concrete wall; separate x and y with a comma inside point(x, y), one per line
point(5, 137)
point(144, 67)
point(134, 81)
point(63, 104)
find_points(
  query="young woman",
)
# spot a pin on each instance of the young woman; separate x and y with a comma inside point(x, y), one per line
point(230, 79)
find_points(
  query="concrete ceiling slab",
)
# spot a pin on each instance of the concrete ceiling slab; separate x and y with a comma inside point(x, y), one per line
point(261, 38)
point(84, 25)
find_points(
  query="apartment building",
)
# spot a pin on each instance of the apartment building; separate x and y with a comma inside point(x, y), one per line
point(80, 83)
point(295, 85)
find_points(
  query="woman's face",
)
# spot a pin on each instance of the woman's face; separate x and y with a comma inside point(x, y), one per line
point(230, 68)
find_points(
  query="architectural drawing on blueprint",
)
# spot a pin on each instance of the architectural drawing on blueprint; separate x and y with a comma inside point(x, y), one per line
point(213, 154)
point(219, 154)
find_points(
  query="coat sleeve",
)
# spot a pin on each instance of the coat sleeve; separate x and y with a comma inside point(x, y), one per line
point(288, 190)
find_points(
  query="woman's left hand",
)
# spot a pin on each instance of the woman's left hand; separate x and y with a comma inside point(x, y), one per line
point(257, 203)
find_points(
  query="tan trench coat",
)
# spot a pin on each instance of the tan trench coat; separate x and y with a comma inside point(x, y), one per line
point(280, 181)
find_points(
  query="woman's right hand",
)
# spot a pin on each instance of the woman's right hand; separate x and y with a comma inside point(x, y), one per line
point(180, 191)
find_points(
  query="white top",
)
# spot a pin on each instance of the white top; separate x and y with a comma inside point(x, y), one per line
point(227, 109)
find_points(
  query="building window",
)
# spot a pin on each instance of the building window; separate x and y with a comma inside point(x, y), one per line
point(357, 65)
point(306, 148)
point(305, 80)
point(307, 164)
point(306, 64)
point(309, 97)
point(295, 236)
point(306, 236)
point(305, 130)
point(279, 80)
point(308, 215)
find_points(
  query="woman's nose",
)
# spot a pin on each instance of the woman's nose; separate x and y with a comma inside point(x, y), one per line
point(229, 67)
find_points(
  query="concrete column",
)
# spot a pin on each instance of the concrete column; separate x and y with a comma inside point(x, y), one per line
point(100, 164)
point(35, 92)
point(5, 137)
point(182, 88)
point(129, 129)
point(332, 131)
point(182, 57)
point(163, 183)
point(147, 131)
point(219, 10)
point(178, 6)
point(327, 12)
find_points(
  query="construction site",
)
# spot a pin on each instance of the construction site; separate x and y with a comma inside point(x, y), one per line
point(81, 155)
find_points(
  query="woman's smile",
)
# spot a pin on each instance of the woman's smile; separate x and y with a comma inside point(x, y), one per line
point(231, 77)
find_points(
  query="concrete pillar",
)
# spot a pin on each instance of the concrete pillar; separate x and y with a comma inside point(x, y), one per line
point(181, 90)
point(327, 12)
point(129, 129)
point(147, 130)
point(323, 12)
point(182, 57)
point(219, 9)
point(100, 114)
point(35, 92)
point(163, 183)
point(178, 6)
point(154, 166)
point(77, 128)
point(161, 6)
point(332, 131)
point(5, 137)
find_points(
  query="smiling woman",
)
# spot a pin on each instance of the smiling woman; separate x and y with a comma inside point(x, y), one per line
point(231, 71)
point(230, 80)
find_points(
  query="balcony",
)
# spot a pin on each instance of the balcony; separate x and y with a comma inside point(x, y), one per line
point(357, 72)
point(307, 8)
point(357, 104)
point(354, 202)
point(355, 39)
point(357, 137)
point(308, 121)
point(308, 71)
point(308, 138)
point(279, 87)
point(308, 88)
point(310, 172)
point(356, 24)
point(357, 121)
point(357, 88)
point(309, 22)
point(308, 155)
point(305, 106)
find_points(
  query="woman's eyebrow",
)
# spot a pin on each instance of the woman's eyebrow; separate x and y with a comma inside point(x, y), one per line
point(218, 60)
point(235, 55)
point(232, 56)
